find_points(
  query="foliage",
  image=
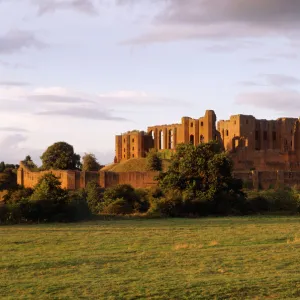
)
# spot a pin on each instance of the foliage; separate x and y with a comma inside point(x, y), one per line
point(94, 196)
point(124, 199)
point(60, 156)
point(48, 188)
point(118, 206)
point(202, 174)
point(273, 201)
point(28, 162)
point(154, 161)
point(90, 163)
point(8, 179)
point(48, 202)
point(2, 166)
point(18, 195)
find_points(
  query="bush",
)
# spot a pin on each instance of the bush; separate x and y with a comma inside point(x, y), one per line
point(17, 195)
point(273, 201)
point(47, 203)
point(136, 200)
point(154, 161)
point(169, 204)
point(94, 196)
point(118, 207)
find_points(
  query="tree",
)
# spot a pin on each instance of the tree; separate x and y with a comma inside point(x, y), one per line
point(90, 163)
point(29, 163)
point(201, 173)
point(94, 196)
point(2, 166)
point(154, 161)
point(48, 189)
point(60, 156)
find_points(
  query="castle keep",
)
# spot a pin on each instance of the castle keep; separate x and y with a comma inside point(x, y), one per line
point(253, 144)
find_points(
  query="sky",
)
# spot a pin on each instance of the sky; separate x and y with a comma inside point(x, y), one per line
point(82, 71)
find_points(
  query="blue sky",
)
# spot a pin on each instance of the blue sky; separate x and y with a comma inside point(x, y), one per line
point(82, 71)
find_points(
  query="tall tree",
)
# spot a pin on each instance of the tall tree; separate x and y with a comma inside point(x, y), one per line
point(60, 156)
point(90, 163)
point(200, 173)
point(2, 166)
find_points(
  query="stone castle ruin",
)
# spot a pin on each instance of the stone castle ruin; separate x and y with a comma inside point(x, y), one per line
point(265, 153)
point(253, 144)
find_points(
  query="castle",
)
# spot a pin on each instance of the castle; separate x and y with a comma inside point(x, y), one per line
point(265, 153)
point(253, 144)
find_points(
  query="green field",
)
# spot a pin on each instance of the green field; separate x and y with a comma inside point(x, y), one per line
point(220, 258)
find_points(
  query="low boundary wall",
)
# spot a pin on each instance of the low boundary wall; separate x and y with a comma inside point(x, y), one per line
point(74, 180)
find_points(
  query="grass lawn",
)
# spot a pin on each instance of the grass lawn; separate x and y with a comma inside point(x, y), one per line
point(221, 258)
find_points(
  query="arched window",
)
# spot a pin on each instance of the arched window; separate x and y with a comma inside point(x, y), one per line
point(192, 125)
point(192, 139)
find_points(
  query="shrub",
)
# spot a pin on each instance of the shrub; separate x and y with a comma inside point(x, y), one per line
point(154, 161)
point(137, 200)
point(119, 206)
point(94, 196)
point(17, 195)
point(170, 204)
point(273, 201)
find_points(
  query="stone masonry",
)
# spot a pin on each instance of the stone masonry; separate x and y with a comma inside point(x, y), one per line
point(264, 145)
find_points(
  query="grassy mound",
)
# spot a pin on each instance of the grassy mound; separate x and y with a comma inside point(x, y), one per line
point(132, 165)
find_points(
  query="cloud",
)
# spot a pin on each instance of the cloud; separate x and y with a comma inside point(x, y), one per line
point(276, 80)
point(58, 99)
point(202, 19)
point(281, 80)
point(61, 102)
point(16, 40)
point(250, 83)
point(14, 65)
point(83, 113)
point(13, 129)
point(51, 6)
point(13, 83)
point(281, 101)
point(13, 149)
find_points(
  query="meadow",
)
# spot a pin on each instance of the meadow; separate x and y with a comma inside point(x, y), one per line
point(208, 258)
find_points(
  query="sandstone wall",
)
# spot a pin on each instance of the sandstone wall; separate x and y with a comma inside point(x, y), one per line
point(71, 180)
point(136, 179)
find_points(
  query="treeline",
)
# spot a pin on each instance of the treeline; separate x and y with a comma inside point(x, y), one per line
point(198, 182)
point(8, 176)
